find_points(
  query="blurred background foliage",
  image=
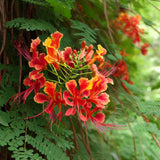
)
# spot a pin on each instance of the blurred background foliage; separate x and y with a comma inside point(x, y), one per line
point(136, 106)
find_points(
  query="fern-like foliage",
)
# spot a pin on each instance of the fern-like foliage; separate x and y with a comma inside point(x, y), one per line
point(25, 141)
point(84, 32)
point(149, 107)
point(7, 80)
point(31, 24)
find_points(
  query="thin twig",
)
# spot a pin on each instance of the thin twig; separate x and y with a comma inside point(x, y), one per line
point(153, 5)
point(20, 73)
point(148, 121)
point(107, 20)
point(6, 153)
point(88, 147)
point(154, 28)
point(12, 7)
point(83, 138)
point(3, 19)
point(74, 133)
point(156, 140)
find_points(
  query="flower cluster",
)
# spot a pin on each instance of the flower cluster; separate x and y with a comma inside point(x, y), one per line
point(122, 71)
point(74, 82)
point(129, 25)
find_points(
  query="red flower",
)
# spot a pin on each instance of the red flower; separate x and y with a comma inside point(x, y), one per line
point(38, 62)
point(35, 81)
point(103, 72)
point(74, 97)
point(53, 98)
point(98, 85)
point(129, 25)
point(122, 69)
point(90, 92)
point(86, 52)
point(70, 56)
point(123, 53)
point(99, 56)
point(34, 45)
point(52, 46)
point(143, 48)
point(97, 118)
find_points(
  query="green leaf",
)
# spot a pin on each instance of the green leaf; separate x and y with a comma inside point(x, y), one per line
point(118, 55)
point(3, 121)
point(31, 24)
point(111, 57)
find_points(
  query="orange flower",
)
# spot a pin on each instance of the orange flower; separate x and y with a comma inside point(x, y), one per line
point(38, 62)
point(143, 48)
point(129, 25)
point(123, 53)
point(52, 46)
point(35, 81)
point(53, 98)
point(74, 97)
point(98, 56)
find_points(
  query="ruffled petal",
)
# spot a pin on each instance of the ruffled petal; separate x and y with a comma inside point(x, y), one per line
point(56, 37)
point(70, 111)
point(67, 97)
point(50, 59)
point(28, 82)
point(34, 45)
point(40, 98)
point(103, 98)
point(41, 81)
point(50, 88)
point(83, 83)
point(66, 53)
point(71, 87)
point(89, 53)
point(38, 63)
point(100, 117)
point(82, 117)
point(35, 75)
point(109, 80)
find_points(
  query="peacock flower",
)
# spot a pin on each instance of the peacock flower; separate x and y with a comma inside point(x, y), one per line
point(75, 98)
point(86, 52)
point(103, 72)
point(35, 81)
point(38, 62)
point(129, 25)
point(98, 85)
point(99, 56)
point(86, 97)
point(53, 98)
point(97, 118)
point(143, 48)
point(52, 46)
point(34, 45)
point(94, 115)
point(70, 56)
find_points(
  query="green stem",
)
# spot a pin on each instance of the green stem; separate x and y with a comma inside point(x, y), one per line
point(51, 80)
